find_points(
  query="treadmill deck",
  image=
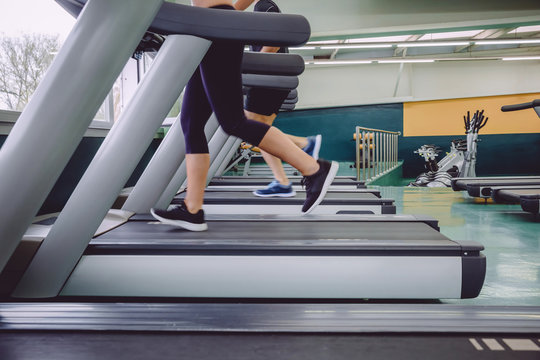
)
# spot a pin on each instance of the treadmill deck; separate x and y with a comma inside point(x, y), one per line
point(331, 257)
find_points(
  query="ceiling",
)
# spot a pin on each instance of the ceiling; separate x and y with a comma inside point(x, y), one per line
point(416, 30)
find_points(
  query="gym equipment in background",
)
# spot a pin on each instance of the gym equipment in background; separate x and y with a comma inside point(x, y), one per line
point(459, 162)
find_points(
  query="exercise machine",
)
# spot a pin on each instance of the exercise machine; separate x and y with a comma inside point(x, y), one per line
point(459, 162)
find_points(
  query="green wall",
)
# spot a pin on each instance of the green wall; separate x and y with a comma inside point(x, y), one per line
point(337, 125)
point(508, 154)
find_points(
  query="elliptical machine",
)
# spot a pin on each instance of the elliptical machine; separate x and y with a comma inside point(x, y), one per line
point(459, 162)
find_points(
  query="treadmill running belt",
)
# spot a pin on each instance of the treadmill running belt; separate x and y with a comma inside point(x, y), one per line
point(263, 181)
point(278, 235)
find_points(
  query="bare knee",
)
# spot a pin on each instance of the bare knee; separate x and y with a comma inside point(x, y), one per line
point(265, 119)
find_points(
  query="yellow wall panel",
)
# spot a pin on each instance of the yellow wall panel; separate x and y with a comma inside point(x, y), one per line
point(445, 117)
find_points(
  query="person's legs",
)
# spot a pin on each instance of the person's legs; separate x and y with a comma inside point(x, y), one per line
point(263, 104)
point(221, 75)
point(228, 107)
point(301, 142)
point(194, 115)
point(220, 78)
point(197, 169)
point(313, 145)
point(273, 162)
point(278, 144)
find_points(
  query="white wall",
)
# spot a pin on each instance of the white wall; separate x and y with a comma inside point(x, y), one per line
point(334, 18)
point(328, 86)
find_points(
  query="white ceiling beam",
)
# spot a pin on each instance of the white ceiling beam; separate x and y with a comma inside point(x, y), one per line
point(401, 51)
point(486, 34)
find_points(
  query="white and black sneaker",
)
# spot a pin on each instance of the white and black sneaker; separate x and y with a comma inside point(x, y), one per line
point(180, 216)
point(317, 184)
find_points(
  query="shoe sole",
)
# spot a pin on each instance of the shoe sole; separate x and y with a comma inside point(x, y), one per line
point(327, 182)
point(275, 195)
point(180, 223)
point(317, 148)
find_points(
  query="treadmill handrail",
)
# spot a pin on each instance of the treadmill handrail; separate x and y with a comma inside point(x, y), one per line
point(270, 81)
point(250, 28)
point(523, 106)
point(272, 64)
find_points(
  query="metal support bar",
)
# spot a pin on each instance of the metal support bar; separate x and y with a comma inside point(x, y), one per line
point(228, 157)
point(220, 158)
point(159, 172)
point(112, 165)
point(65, 102)
point(215, 145)
point(357, 153)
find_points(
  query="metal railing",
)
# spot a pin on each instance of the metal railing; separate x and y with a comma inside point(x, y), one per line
point(376, 152)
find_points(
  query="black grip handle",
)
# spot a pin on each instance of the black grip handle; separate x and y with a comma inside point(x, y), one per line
point(523, 106)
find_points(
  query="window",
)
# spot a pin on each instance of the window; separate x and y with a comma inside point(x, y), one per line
point(31, 34)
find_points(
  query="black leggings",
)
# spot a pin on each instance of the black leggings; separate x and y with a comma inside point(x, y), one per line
point(216, 86)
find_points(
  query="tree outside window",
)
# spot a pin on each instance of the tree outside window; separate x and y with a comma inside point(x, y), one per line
point(23, 62)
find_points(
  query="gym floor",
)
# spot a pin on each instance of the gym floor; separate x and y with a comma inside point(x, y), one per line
point(511, 238)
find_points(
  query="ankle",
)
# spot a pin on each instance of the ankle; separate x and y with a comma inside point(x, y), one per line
point(192, 208)
point(285, 182)
point(312, 170)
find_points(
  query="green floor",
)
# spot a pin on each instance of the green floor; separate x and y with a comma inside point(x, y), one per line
point(510, 236)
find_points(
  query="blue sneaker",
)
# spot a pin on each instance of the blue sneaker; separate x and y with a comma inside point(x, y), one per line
point(313, 146)
point(275, 189)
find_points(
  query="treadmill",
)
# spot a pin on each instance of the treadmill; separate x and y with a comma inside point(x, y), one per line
point(264, 180)
point(280, 257)
point(243, 256)
point(483, 186)
point(335, 202)
point(527, 196)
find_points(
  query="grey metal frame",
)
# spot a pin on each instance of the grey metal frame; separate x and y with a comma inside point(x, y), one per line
point(159, 172)
point(273, 317)
point(221, 157)
point(266, 276)
point(63, 106)
point(113, 164)
point(232, 150)
point(215, 146)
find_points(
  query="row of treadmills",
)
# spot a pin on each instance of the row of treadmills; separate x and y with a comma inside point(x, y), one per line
point(523, 190)
point(354, 246)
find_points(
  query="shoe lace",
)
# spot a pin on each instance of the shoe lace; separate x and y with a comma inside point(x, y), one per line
point(306, 181)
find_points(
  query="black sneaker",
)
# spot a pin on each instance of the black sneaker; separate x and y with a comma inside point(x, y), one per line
point(180, 216)
point(318, 183)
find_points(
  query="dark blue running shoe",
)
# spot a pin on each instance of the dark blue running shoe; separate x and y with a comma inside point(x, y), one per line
point(275, 189)
point(180, 216)
point(314, 146)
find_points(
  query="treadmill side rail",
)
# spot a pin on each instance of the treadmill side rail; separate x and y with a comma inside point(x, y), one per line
point(530, 205)
point(473, 275)
point(267, 276)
